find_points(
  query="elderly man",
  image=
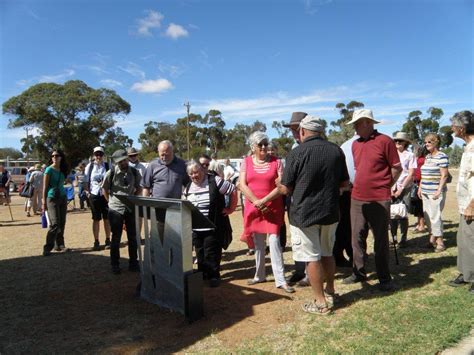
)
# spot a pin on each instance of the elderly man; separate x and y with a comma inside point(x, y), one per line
point(314, 173)
point(299, 275)
point(133, 160)
point(377, 167)
point(122, 179)
point(166, 175)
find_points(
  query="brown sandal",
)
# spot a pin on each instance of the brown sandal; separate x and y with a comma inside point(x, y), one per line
point(314, 308)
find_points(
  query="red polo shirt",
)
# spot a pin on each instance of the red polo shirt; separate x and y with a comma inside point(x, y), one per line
point(374, 159)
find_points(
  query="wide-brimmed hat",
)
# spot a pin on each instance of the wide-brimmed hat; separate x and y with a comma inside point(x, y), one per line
point(362, 113)
point(402, 136)
point(296, 118)
point(312, 123)
point(119, 155)
point(98, 149)
point(132, 151)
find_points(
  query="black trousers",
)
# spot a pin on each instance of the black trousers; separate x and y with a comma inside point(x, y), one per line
point(116, 221)
point(209, 253)
point(57, 210)
point(343, 231)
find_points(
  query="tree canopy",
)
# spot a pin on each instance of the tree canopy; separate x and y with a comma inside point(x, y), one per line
point(418, 127)
point(73, 117)
point(341, 132)
point(12, 153)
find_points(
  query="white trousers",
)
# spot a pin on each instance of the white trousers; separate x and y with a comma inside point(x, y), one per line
point(276, 256)
point(432, 210)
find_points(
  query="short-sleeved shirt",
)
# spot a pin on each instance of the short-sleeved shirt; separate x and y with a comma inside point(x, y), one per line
point(56, 181)
point(374, 159)
point(124, 183)
point(407, 161)
point(315, 170)
point(36, 179)
point(347, 149)
point(95, 177)
point(139, 166)
point(431, 172)
point(465, 187)
point(165, 180)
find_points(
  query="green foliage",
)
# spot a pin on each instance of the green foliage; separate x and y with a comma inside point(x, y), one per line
point(454, 155)
point(115, 139)
point(341, 132)
point(12, 153)
point(73, 117)
point(417, 126)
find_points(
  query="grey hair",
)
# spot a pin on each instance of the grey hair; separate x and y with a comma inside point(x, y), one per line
point(464, 119)
point(256, 137)
point(167, 142)
point(192, 164)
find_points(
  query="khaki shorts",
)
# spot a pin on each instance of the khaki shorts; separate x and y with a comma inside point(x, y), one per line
point(311, 243)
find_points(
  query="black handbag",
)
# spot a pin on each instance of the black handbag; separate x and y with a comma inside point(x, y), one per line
point(27, 190)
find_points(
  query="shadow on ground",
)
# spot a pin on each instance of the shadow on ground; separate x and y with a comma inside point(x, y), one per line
point(72, 303)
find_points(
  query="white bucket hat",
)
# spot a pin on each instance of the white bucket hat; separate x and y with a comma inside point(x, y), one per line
point(362, 113)
point(402, 136)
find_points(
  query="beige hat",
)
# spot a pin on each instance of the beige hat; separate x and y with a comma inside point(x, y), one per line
point(312, 123)
point(402, 136)
point(98, 149)
point(362, 113)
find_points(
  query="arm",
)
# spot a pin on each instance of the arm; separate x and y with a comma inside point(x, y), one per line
point(442, 182)
point(45, 191)
point(396, 171)
point(469, 211)
point(233, 204)
point(106, 186)
point(408, 180)
point(145, 192)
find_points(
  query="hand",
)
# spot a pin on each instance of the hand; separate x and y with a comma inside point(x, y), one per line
point(468, 214)
point(436, 195)
point(397, 193)
point(226, 211)
point(419, 193)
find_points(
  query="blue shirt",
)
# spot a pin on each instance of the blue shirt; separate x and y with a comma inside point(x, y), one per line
point(165, 180)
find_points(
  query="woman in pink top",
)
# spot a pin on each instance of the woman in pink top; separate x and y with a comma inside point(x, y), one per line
point(263, 212)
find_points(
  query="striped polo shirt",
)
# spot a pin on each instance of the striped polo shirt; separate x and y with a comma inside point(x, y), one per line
point(431, 173)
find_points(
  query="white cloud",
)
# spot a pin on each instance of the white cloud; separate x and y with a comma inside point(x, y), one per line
point(311, 6)
point(175, 31)
point(152, 86)
point(111, 83)
point(134, 70)
point(58, 77)
point(172, 70)
point(151, 21)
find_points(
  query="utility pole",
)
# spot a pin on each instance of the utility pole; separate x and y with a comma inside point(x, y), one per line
point(188, 106)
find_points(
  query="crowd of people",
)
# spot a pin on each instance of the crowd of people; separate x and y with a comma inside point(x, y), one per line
point(333, 196)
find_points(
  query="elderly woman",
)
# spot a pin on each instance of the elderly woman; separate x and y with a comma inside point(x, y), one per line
point(463, 127)
point(401, 189)
point(263, 212)
point(206, 192)
point(434, 175)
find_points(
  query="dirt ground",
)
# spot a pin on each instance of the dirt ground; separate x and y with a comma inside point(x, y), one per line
point(71, 302)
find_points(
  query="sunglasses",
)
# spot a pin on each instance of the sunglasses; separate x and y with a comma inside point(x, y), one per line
point(428, 142)
point(55, 155)
point(98, 154)
point(262, 145)
point(205, 165)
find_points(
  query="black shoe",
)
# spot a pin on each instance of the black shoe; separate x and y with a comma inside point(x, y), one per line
point(458, 281)
point(471, 289)
point(353, 279)
point(386, 286)
point(214, 282)
point(62, 249)
point(96, 246)
point(107, 243)
point(116, 270)
point(46, 252)
point(134, 267)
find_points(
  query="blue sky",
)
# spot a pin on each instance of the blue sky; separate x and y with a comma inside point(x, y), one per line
point(249, 59)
